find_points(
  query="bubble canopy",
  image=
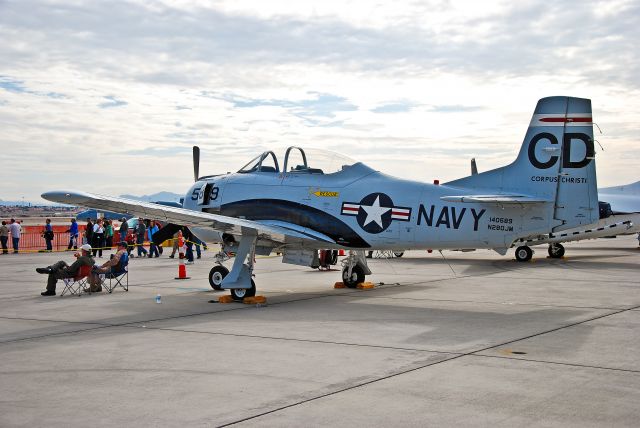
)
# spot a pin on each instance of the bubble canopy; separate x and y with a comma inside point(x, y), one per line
point(299, 161)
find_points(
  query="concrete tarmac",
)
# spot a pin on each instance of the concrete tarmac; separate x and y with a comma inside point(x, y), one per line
point(477, 339)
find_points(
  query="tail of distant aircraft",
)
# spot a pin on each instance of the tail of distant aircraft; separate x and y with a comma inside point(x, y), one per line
point(556, 163)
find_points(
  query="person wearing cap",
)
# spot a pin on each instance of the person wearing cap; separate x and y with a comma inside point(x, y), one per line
point(114, 264)
point(62, 270)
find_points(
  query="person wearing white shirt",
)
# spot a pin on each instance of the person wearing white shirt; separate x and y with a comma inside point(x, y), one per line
point(98, 238)
point(15, 230)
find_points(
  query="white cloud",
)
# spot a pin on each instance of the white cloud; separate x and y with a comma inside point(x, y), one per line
point(109, 96)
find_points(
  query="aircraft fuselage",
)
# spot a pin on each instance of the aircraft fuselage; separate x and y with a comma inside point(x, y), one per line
point(362, 208)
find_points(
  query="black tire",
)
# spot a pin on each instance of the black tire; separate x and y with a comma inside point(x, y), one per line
point(556, 251)
point(524, 253)
point(369, 254)
point(398, 253)
point(357, 276)
point(333, 257)
point(216, 275)
point(240, 293)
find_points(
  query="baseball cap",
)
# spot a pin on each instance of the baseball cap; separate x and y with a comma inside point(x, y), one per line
point(86, 247)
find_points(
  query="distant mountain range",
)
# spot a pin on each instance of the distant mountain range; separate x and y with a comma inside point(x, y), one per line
point(155, 197)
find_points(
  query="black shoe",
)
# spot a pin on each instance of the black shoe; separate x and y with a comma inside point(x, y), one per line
point(46, 270)
point(174, 256)
point(48, 293)
point(198, 257)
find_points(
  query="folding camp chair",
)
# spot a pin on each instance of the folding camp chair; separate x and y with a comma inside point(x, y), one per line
point(76, 285)
point(120, 277)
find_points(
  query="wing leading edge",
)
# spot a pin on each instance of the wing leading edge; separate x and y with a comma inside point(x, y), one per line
point(278, 233)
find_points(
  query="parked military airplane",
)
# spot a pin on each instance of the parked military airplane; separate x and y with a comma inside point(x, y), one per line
point(304, 206)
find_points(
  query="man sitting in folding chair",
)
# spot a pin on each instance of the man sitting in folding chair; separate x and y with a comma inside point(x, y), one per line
point(61, 270)
point(115, 269)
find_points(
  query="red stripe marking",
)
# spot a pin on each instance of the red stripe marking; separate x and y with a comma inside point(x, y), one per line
point(350, 209)
point(402, 213)
point(565, 119)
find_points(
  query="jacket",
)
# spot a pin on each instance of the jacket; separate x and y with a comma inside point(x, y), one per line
point(75, 267)
point(151, 231)
point(141, 229)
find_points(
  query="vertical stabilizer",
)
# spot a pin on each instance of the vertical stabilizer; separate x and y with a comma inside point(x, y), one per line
point(556, 162)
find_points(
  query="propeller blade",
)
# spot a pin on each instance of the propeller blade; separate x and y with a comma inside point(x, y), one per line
point(196, 163)
point(474, 167)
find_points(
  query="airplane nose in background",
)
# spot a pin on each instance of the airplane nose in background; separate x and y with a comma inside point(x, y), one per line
point(50, 196)
point(60, 196)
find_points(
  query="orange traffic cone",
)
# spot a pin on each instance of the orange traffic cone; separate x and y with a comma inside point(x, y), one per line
point(182, 269)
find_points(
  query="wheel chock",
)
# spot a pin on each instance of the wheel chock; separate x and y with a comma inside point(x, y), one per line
point(255, 300)
point(339, 285)
point(365, 285)
point(225, 299)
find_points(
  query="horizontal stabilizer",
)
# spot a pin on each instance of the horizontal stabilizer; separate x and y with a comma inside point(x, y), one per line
point(495, 199)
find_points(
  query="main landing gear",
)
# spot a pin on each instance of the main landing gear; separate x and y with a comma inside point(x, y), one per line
point(239, 280)
point(524, 253)
point(354, 269)
point(216, 275)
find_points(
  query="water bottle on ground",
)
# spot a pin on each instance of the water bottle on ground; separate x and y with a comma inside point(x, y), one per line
point(158, 298)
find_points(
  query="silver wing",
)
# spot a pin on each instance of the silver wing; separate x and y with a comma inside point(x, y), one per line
point(277, 232)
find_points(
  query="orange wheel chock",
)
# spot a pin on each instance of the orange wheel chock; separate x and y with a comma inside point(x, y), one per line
point(255, 300)
point(339, 285)
point(225, 299)
point(365, 285)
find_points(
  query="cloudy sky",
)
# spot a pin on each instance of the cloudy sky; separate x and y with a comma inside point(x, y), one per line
point(110, 96)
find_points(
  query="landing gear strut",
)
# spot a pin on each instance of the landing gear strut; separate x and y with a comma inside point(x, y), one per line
point(239, 280)
point(556, 251)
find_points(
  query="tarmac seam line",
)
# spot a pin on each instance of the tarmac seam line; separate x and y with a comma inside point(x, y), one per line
point(559, 363)
point(419, 368)
point(325, 342)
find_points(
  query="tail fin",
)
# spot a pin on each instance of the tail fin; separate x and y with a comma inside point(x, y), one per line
point(556, 163)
